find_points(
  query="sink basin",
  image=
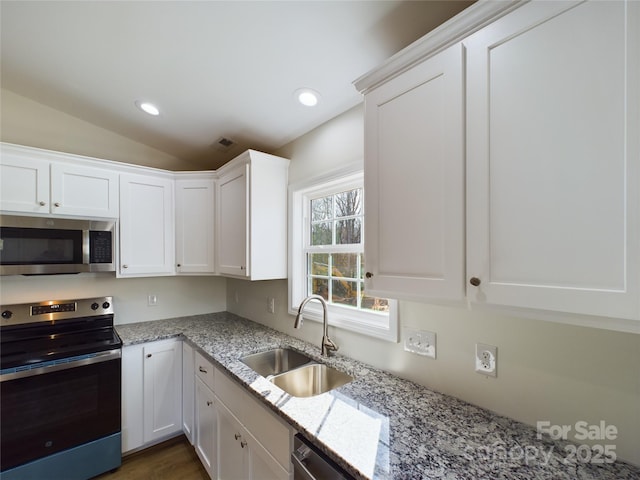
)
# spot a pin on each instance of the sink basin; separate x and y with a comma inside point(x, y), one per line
point(276, 361)
point(311, 380)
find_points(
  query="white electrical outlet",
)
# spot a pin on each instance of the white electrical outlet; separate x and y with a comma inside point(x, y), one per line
point(271, 305)
point(420, 342)
point(152, 300)
point(487, 359)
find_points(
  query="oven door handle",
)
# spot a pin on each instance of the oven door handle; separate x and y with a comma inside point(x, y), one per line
point(63, 365)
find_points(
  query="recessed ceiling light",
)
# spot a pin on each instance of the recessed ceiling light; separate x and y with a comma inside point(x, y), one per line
point(147, 107)
point(307, 96)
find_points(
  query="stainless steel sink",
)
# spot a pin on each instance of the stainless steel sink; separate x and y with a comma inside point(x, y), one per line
point(276, 361)
point(311, 380)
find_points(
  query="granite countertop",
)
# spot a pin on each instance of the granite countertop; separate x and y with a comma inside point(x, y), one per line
point(380, 426)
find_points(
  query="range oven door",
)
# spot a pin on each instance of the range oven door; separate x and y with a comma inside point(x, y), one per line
point(58, 407)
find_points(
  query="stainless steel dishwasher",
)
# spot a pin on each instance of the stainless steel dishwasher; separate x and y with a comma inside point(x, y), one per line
point(309, 463)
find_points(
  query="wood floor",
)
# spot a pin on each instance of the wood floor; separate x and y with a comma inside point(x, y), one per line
point(174, 459)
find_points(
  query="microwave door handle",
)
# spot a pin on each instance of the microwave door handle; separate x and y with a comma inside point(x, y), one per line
point(86, 247)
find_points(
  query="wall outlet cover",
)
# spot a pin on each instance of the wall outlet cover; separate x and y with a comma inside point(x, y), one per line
point(487, 359)
point(421, 342)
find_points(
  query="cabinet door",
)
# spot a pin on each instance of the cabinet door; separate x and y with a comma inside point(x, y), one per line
point(194, 226)
point(553, 174)
point(146, 226)
point(24, 184)
point(132, 398)
point(83, 191)
point(414, 182)
point(232, 222)
point(188, 391)
point(262, 466)
point(162, 392)
point(234, 454)
point(206, 443)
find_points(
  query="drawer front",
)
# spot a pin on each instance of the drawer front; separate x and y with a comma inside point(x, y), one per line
point(271, 432)
point(204, 370)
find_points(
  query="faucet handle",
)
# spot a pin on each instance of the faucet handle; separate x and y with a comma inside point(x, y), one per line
point(328, 346)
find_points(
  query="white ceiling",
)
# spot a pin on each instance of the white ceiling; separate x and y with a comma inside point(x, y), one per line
point(214, 68)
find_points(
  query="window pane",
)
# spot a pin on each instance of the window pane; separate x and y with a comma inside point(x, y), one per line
point(372, 303)
point(345, 265)
point(320, 286)
point(349, 203)
point(348, 231)
point(319, 264)
point(321, 233)
point(321, 209)
point(344, 293)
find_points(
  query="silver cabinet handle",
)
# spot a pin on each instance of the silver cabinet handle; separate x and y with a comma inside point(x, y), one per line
point(42, 204)
point(202, 370)
point(125, 266)
point(56, 204)
point(243, 443)
point(209, 402)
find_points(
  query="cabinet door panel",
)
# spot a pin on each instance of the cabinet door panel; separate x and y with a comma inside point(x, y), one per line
point(24, 184)
point(232, 213)
point(206, 443)
point(194, 226)
point(234, 458)
point(83, 191)
point(414, 181)
point(162, 392)
point(551, 170)
point(146, 225)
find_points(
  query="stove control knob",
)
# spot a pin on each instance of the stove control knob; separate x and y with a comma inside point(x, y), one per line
point(106, 305)
point(94, 306)
point(7, 314)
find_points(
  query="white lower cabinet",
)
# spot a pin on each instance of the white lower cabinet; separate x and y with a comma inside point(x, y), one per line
point(240, 454)
point(151, 398)
point(206, 422)
point(235, 436)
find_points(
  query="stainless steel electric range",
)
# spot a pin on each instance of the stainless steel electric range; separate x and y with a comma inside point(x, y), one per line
point(60, 387)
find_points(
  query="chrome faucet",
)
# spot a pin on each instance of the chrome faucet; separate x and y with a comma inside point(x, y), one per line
point(327, 344)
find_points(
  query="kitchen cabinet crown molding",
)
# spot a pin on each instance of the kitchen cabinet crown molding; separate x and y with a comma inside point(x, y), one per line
point(453, 30)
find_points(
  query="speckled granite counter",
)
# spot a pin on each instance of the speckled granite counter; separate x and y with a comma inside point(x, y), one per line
point(380, 426)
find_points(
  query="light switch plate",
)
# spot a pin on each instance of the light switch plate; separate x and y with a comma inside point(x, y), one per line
point(421, 342)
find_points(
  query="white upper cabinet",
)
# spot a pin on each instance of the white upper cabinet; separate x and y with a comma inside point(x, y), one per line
point(251, 217)
point(534, 149)
point(414, 182)
point(42, 182)
point(195, 201)
point(146, 225)
point(553, 159)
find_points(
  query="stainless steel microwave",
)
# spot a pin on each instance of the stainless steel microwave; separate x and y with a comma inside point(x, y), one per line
point(46, 246)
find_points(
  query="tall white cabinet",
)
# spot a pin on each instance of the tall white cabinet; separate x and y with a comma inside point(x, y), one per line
point(251, 217)
point(414, 181)
point(502, 162)
point(553, 158)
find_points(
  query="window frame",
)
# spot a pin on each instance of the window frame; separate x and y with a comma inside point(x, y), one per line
point(365, 322)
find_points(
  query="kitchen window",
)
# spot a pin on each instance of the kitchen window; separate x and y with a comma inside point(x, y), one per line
point(327, 255)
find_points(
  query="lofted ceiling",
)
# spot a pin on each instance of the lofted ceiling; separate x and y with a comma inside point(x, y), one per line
point(215, 69)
